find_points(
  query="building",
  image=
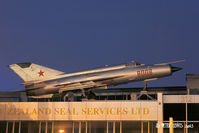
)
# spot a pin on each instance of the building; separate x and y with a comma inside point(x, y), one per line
point(119, 110)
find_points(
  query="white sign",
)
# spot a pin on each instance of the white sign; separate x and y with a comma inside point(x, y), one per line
point(106, 110)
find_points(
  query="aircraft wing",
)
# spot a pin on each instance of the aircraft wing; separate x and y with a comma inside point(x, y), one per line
point(79, 86)
point(83, 84)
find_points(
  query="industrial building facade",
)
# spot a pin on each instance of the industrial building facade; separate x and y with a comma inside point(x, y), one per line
point(80, 117)
point(114, 111)
point(110, 116)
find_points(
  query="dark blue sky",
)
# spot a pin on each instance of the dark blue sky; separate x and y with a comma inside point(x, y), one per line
point(76, 35)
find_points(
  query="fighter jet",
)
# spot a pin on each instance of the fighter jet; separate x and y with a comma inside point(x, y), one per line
point(44, 82)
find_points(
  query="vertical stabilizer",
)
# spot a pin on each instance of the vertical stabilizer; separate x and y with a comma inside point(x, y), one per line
point(33, 72)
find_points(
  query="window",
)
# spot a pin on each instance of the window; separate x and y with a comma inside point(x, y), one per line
point(63, 126)
point(97, 127)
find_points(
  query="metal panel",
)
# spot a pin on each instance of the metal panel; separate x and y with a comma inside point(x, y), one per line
point(181, 99)
point(192, 81)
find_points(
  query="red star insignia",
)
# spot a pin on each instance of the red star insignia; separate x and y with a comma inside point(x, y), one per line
point(41, 73)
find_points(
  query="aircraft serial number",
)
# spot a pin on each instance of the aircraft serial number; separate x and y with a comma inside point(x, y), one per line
point(144, 72)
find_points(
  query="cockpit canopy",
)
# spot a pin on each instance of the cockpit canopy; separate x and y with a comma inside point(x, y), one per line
point(134, 64)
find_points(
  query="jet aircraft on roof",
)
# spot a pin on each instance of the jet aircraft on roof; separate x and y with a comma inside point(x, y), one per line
point(42, 81)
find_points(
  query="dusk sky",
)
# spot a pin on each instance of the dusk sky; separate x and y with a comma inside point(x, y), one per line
point(74, 35)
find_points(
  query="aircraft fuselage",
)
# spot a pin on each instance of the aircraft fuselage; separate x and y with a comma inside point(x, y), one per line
point(101, 79)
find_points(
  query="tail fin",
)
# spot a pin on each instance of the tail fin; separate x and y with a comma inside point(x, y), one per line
point(33, 72)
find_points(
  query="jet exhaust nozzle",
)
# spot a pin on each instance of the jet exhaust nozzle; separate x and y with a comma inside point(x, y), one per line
point(175, 69)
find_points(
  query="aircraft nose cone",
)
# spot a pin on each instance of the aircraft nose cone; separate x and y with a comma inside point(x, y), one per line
point(174, 69)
